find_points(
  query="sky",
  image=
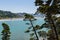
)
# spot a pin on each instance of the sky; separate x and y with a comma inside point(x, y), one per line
point(17, 6)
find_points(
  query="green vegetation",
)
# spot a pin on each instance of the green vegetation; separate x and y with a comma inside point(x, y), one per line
point(8, 14)
point(52, 21)
point(5, 32)
point(31, 19)
point(49, 10)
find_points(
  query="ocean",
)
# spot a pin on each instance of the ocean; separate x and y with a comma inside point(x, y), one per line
point(18, 27)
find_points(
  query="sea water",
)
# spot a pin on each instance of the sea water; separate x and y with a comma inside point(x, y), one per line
point(18, 27)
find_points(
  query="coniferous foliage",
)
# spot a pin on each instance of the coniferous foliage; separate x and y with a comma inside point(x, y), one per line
point(50, 8)
point(5, 32)
point(42, 34)
point(31, 19)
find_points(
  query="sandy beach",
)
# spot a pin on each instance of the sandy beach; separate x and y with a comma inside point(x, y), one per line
point(16, 19)
point(11, 19)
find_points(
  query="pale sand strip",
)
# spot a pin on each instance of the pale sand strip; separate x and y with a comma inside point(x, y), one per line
point(16, 19)
point(11, 19)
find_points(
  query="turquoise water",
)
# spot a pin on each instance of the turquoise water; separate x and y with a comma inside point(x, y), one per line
point(17, 29)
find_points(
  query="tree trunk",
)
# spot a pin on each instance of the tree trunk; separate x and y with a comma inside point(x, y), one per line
point(34, 30)
point(51, 21)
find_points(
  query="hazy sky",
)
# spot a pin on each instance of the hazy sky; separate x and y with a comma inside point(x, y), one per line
point(18, 6)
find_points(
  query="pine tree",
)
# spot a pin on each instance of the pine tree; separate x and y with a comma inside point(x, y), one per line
point(30, 18)
point(5, 32)
point(49, 8)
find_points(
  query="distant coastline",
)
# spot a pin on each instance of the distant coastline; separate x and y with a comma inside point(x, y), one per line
point(15, 19)
point(11, 19)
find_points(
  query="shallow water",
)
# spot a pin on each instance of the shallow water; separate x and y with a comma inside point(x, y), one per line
point(17, 29)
